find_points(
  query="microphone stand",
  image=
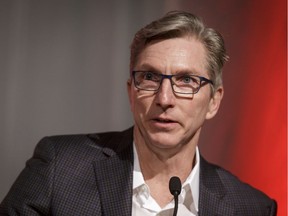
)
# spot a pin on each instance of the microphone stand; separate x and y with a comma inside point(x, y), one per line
point(175, 189)
point(176, 205)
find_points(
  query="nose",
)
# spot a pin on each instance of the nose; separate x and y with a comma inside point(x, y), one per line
point(165, 97)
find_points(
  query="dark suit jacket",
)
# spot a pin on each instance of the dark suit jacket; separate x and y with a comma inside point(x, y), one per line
point(93, 175)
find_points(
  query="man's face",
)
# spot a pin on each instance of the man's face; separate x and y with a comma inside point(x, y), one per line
point(164, 119)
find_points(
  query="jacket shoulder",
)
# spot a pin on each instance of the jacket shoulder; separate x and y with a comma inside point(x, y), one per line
point(244, 197)
point(112, 141)
point(60, 167)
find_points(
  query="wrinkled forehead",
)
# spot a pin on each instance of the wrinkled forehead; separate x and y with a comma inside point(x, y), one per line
point(185, 52)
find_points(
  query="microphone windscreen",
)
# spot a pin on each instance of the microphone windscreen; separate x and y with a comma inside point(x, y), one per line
point(175, 185)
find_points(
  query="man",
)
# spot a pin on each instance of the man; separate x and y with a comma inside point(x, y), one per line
point(174, 86)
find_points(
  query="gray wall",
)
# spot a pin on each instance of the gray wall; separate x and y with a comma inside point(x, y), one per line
point(63, 69)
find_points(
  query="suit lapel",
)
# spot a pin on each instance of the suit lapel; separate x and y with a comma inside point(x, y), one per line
point(212, 192)
point(114, 176)
point(114, 181)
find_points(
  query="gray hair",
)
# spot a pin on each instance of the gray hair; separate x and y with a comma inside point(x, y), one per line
point(176, 24)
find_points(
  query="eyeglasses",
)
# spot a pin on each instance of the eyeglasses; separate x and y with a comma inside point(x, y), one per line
point(180, 83)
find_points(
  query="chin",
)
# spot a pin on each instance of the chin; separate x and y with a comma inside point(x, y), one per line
point(164, 142)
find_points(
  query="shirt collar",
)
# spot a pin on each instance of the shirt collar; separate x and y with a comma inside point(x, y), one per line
point(192, 182)
point(138, 178)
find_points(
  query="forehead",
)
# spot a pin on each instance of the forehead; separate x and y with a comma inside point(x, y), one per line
point(174, 55)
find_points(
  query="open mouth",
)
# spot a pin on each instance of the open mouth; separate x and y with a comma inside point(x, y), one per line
point(164, 120)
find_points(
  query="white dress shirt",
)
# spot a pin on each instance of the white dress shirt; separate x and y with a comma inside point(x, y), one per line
point(145, 205)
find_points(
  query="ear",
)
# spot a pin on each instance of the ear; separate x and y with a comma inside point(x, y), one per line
point(215, 102)
point(129, 91)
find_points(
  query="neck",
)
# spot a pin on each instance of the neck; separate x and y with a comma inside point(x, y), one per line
point(158, 165)
point(162, 163)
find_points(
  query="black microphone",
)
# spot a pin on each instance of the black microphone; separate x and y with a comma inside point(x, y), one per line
point(175, 190)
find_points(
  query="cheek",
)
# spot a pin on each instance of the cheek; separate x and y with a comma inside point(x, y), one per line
point(195, 111)
point(131, 101)
point(138, 104)
point(135, 103)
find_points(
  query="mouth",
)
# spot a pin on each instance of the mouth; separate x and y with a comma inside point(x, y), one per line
point(164, 120)
point(165, 124)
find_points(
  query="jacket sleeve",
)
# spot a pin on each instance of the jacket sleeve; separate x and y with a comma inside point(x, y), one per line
point(31, 192)
point(273, 211)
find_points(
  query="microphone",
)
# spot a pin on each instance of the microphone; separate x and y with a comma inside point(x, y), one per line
point(175, 190)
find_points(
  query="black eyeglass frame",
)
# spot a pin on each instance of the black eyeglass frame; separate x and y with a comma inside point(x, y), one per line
point(203, 81)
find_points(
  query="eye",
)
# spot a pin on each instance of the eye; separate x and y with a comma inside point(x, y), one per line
point(187, 79)
point(148, 76)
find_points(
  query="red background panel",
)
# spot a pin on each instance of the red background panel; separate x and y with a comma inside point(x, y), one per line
point(249, 134)
point(261, 137)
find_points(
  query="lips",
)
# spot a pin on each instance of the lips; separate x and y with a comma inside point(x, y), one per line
point(163, 120)
point(163, 123)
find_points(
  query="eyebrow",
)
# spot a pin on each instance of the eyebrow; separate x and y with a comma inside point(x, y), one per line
point(149, 67)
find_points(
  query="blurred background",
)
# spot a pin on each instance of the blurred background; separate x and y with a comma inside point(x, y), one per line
point(64, 66)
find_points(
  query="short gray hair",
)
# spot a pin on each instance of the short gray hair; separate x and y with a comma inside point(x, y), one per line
point(176, 24)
